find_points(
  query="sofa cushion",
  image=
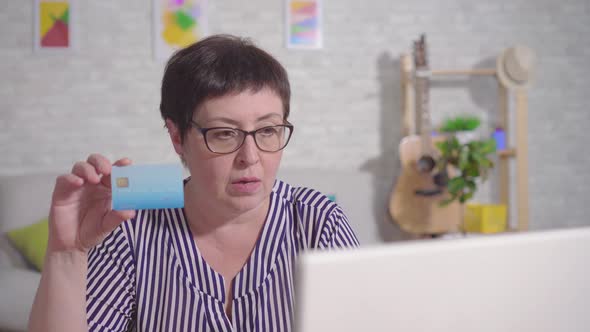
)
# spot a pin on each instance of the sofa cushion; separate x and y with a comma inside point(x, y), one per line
point(31, 242)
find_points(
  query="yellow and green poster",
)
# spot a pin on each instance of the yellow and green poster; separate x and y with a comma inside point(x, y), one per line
point(178, 23)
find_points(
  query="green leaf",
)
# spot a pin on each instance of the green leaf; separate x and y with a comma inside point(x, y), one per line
point(463, 158)
point(488, 146)
point(472, 171)
point(468, 196)
point(456, 184)
point(460, 123)
point(454, 143)
point(477, 157)
point(485, 163)
point(443, 147)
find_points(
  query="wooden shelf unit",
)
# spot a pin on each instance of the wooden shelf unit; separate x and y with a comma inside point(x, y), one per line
point(507, 153)
point(519, 152)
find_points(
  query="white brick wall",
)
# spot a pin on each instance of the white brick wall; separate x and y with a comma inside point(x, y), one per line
point(55, 110)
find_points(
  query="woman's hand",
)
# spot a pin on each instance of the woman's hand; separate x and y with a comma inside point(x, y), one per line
point(81, 215)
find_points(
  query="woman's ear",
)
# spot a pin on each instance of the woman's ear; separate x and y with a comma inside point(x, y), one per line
point(175, 137)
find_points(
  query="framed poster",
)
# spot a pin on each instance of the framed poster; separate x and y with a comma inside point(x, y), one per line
point(54, 29)
point(304, 24)
point(177, 23)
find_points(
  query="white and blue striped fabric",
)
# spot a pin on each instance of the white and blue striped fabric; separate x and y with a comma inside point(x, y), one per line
point(148, 274)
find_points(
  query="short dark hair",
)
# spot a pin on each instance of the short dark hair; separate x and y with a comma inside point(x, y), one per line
point(213, 67)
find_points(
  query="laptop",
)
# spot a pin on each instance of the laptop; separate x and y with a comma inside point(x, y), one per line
point(525, 282)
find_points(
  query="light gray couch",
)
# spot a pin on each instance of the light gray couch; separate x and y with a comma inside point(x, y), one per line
point(25, 199)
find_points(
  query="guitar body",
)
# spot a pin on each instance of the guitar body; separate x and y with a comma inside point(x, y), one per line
point(416, 213)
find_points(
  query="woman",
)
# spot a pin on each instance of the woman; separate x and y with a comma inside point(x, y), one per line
point(224, 262)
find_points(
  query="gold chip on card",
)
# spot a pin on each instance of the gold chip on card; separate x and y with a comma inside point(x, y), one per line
point(122, 182)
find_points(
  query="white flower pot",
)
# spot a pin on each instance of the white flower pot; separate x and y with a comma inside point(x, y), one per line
point(466, 136)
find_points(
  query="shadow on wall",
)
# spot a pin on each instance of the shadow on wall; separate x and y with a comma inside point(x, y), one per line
point(386, 167)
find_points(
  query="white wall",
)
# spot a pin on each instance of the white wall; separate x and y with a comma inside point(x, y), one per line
point(54, 110)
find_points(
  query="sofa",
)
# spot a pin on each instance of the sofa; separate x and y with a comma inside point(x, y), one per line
point(24, 200)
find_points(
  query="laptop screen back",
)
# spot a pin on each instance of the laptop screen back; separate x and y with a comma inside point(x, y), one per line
point(534, 281)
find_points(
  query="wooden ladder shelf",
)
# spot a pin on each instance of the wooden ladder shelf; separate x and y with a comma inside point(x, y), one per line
point(519, 152)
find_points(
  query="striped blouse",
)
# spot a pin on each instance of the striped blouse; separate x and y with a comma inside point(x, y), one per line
point(148, 274)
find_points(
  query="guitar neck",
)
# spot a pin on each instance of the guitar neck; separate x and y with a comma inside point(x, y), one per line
point(422, 101)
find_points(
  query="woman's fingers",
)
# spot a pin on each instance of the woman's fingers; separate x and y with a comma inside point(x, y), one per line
point(103, 167)
point(95, 170)
point(123, 162)
point(86, 171)
point(100, 163)
point(65, 186)
point(106, 180)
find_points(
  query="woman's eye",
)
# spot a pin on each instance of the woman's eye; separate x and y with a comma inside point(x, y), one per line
point(268, 131)
point(225, 134)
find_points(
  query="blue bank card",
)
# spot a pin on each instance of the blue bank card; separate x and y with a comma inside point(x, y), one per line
point(138, 187)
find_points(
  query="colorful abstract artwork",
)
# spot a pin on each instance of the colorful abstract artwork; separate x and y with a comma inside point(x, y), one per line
point(53, 28)
point(304, 24)
point(178, 23)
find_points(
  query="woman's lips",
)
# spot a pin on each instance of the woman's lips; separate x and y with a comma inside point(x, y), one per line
point(246, 185)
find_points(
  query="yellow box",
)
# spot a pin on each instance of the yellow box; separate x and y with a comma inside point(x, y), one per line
point(485, 218)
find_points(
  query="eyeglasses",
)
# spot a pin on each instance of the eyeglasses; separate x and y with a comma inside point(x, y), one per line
point(225, 140)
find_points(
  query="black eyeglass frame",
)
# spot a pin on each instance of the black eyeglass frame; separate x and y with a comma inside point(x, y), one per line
point(252, 133)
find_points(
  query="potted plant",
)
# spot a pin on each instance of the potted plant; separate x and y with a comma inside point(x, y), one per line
point(469, 157)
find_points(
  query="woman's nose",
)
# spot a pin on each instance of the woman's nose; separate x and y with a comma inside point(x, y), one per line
point(248, 152)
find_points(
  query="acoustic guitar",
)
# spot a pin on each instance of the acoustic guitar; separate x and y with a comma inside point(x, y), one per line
point(415, 202)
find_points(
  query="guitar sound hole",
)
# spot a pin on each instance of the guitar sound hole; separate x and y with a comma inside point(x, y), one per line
point(426, 164)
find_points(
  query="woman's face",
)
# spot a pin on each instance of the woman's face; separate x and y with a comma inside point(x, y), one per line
point(241, 180)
